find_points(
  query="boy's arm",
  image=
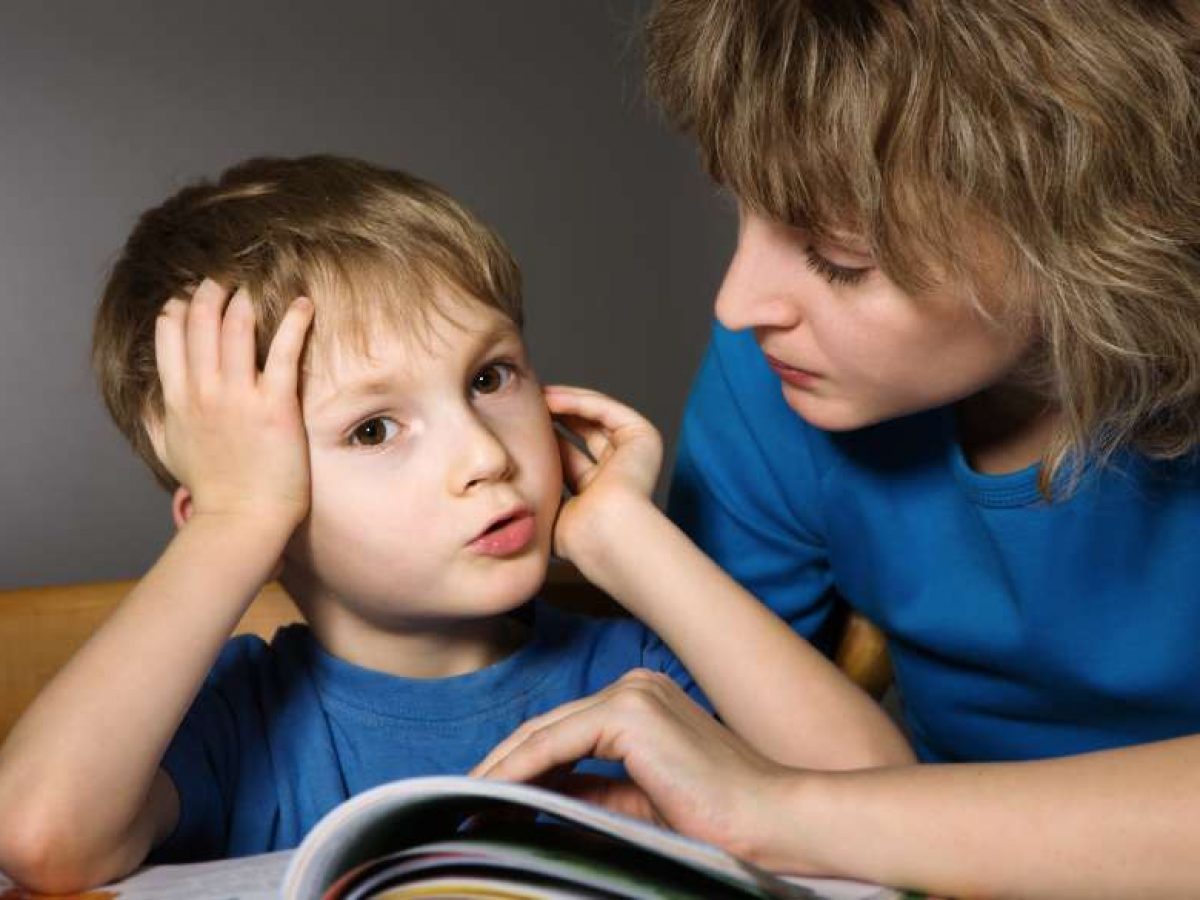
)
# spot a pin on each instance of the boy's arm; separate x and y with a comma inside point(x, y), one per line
point(767, 683)
point(82, 798)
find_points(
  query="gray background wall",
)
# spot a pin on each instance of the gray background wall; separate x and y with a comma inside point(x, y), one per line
point(530, 111)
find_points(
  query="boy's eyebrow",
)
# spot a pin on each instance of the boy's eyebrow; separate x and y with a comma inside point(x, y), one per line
point(363, 389)
point(383, 385)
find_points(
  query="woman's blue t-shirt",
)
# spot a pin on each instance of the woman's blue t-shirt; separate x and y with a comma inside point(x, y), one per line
point(1017, 628)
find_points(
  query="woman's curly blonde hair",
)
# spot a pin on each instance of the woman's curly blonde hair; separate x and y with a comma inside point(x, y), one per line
point(1060, 133)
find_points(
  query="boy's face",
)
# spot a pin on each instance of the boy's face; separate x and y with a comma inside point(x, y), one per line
point(435, 476)
point(852, 349)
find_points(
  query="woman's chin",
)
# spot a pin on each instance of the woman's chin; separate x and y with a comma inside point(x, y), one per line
point(826, 412)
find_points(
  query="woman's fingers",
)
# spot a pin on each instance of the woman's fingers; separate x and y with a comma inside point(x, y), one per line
point(532, 726)
point(590, 727)
point(688, 771)
point(618, 794)
point(580, 735)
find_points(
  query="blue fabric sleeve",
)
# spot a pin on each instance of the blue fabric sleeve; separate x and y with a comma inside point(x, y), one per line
point(746, 487)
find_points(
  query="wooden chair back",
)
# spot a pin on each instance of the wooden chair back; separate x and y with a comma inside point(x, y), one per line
point(41, 627)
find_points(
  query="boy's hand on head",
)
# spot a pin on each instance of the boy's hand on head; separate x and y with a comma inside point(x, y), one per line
point(232, 435)
point(621, 465)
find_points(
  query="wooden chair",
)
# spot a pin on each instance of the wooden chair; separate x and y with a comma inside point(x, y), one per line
point(41, 627)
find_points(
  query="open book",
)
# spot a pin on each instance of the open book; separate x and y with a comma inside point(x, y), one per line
point(464, 837)
point(431, 837)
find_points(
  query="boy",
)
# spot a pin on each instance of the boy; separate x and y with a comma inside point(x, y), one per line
point(398, 469)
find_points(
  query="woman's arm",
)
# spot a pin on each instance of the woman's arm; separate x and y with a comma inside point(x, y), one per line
point(1120, 823)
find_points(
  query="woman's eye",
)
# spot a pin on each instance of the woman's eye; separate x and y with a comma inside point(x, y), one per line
point(492, 378)
point(832, 272)
point(374, 431)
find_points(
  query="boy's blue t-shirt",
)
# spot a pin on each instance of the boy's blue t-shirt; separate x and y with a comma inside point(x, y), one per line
point(1017, 628)
point(281, 733)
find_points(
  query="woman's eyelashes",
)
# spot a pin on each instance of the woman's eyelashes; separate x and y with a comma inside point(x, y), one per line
point(832, 272)
point(374, 432)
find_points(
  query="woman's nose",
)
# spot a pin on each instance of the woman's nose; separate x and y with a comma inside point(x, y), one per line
point(760, 289)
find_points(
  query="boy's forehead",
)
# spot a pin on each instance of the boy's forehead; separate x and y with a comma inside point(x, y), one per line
point(388, 347)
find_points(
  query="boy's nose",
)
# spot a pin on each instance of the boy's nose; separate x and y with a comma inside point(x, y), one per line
point(478, 457)
point(761, 287)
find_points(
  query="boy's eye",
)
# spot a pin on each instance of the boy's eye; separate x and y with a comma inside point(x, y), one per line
point(492, 378)
point(374, 431)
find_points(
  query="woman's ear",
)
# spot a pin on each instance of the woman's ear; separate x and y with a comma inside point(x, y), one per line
point(181, 506)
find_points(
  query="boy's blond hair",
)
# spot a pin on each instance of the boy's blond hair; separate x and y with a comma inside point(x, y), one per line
point(381, 241)
point(1060, 135)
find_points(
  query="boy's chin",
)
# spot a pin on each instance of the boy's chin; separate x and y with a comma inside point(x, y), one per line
point(516, 584)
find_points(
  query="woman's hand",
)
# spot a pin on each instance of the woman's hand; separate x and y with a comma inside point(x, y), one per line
point(688, 772)
point(621, 465)
point(233, 436)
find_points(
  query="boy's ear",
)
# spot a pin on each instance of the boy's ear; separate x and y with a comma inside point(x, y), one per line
point(181, 506)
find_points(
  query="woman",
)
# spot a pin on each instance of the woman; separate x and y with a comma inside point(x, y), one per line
point(956, 382)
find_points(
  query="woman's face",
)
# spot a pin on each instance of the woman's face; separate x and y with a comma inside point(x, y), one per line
point(849, 346)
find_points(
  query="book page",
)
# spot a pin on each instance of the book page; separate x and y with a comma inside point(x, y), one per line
point(246, 878)
point(417, 810)
point(261, 878)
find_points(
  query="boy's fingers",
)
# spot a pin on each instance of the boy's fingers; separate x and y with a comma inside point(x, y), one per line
point(283, 359)
point(237, 340)
point(170, 355)
point(595, 438)
point(576, 464)
point(605, 424)
point(591, 405)
point(204, 330)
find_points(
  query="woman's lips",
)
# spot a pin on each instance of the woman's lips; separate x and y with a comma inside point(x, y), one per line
point(800, 378)
point(511, 537)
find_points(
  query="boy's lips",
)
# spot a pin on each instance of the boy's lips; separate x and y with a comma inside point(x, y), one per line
point(790, 374)
point(507, 535)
